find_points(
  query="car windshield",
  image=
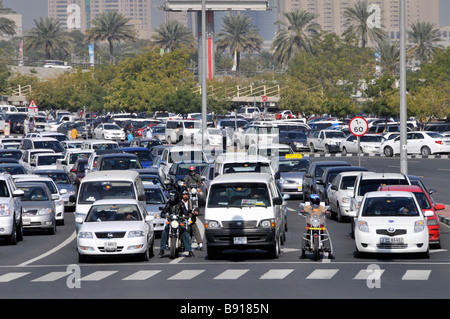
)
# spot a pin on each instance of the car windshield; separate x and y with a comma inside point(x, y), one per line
point(105, 146)
point(144, 156)
point(192, 125)
point(247, 167)
point(76, 156)
point(48, 159)
point(111, 127)
point(242, 195)
point(13, 169)
point(183, 169)
point(58, 177)
point(334, 134)
point(321, 168)
point(158, 129)
point(371, 185)
point(348, 182)
point(92, 191)
point(371, 138)
point(423, 201)
point(113, 212)
point(33, 193)
point(175, 157)
point(300, 165)
point(119, 163)
point(14, 155)
point(53, 145)
point(154, 196)
point(390, 206)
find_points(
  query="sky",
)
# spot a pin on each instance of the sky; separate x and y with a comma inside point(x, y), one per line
point(34, 9)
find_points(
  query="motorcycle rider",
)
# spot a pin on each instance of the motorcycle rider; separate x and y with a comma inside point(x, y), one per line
point(315, 208)
point(175, 206)
point(192, 177)
point(193, 214)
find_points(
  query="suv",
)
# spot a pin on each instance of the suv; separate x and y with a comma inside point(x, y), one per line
point(11, 227)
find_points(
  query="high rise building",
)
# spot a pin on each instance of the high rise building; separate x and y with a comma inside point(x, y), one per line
point(77, 14)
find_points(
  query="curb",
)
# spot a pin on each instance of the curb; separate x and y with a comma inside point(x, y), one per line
point(444, 219)
point(377, 155)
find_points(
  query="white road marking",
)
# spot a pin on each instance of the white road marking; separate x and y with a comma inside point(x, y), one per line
point(12, 275)
point(52, 276)
point(186, 275)
point(276, 274)
point(232, 274)
point(142, 275)
point(98, 275)
point(322, 274)
point(416, 275)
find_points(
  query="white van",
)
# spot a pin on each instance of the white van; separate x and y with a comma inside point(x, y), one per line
point(177, 130)
point(244, 211)
point(228, 163)
point(107, 185)
point(8, 109)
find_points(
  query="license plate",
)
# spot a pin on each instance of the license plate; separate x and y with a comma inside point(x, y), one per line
point(240, 240)
point(26, 221)
point(299, 188)
point(110, 246)
point(391, 240)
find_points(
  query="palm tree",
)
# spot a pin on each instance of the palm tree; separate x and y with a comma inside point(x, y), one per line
point(7, 26)
point(173, 35)
point(238, 35)
point(424, 35)
point(111, 26)
point(389, 55)
point(296, 35)
point(357, 24)
point(48, 35)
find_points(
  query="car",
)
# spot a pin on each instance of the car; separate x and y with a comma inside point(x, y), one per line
point(426, 204)
point(44, 161)
point(315, 172)
point(368, 144)
point(326, 140)
point(327, 177)
point(269, 150)
point(11, 227)
point(155, 200)
point(291, 169)
point(297, 140)
point(58, 136)
point(41, 143)
point(143, 153)
point(8, 153)
point(56, 64)
point(421, 142)
point(118, 161)
point(391, 222)
point(261, 134)
point(38, 207)
point(109, 131)
point(340, 193)
point(115, 227)
point(78, 171)
point(213, 137)
point(83, 130)
point(16, 121)
point(151, 175)
point(178, 154)
point(13, 168)
point(62, 181)
point(157, 131)
point(145, 142)
point(178, 172)
point(71, 156)
point(57, 195)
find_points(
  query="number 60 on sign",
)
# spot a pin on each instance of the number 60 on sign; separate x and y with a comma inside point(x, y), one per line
point(358, 126)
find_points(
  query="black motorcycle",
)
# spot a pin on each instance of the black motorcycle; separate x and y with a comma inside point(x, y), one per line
point(175, 229)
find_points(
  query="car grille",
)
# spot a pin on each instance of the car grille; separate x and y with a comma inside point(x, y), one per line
point(102, 235)
point(118, 250)
point(395, 233)
point(392, 246)
point(239, 224)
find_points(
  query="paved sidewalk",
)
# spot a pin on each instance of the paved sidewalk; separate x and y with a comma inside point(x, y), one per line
point(444, 215)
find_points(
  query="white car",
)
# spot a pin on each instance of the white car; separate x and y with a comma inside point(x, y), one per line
point(368, 144)
point(109, 131)
point(115, 227)
point(213, 137)
point(44, 161)
point(418, 142)
point(340, 193)
point(391, 222)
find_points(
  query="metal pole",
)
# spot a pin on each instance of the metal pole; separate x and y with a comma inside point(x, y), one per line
point(359, 150)
point(203, 74)
point(403, 111)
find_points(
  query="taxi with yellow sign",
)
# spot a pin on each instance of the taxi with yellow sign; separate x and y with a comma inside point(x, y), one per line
point(290, 170)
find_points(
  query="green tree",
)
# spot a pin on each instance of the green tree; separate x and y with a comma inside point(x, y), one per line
point(357, 18)
point(173, 35)
point(389, 55)
point(238, 35)
point(7, 26)
point(111, 26)
point(295, 35)
point(425, 36)
point(49, 36)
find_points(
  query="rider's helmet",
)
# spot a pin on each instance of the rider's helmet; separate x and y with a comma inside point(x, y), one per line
point(314, 199)
point(184, 191)
point(192, 169)
point(174, 197)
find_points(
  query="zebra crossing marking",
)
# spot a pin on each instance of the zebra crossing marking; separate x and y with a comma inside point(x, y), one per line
point(98, 275)
point(276, 274)
point(322, 274)
point(53, 276)
point(231, 274)
point(12, 276)
point(186, 274)
point(416, 275)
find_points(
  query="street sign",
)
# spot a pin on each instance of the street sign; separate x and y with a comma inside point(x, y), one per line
point(32, 108)
point(264, 98)
point(358, 126)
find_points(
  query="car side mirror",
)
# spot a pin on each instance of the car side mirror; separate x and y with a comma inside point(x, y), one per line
point(439, 207)
point(277, 201)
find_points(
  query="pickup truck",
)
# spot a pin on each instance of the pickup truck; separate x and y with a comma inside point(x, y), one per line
point(325, 140)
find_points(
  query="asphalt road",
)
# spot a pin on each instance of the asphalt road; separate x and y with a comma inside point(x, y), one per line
point(46, 266)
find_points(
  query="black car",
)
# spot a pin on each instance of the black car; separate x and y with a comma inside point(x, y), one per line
point(295, 139)
point(314, 173)
point(16, 120)
point(178, 172)
point(10, 153)
point(82, 130)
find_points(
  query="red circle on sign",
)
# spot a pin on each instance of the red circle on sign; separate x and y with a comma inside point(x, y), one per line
point(358, 126)
point(264, 98)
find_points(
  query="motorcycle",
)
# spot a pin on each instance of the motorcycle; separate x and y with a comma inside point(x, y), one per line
point(174, 242)
point(315, 240)
point(195, 192)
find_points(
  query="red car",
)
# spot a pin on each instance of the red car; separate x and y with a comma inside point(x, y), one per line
point(425, 202)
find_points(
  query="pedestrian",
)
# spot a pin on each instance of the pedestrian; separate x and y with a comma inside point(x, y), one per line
point(74, 134)
point(130, 137)
point(31, 126)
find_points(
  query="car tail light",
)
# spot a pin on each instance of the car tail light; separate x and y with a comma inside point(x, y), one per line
point(439, 142)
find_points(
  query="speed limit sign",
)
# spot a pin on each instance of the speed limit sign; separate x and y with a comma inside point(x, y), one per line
point(358, 126)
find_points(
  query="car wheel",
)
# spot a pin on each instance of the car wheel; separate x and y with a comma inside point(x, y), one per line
point(388, 151)
point(425, 151)
point(344, 151)
point(12, 239)
point(311, 147)
point(52, 230)
point(212, 253)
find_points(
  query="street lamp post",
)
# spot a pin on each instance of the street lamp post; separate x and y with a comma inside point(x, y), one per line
point(403, 110)
point(203, 74)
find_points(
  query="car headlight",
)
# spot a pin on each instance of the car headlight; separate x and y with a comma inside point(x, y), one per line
point(346, 199)
point(212, 224)
point(267, 223)
point(136, 233)
point(4, 210)
point(44, 211)
point(363, 226)
point(419, 226)
point(432, 222)
point(85, 234)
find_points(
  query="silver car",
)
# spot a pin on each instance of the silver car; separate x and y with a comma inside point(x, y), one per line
point(38, 208)
point(155, 200)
